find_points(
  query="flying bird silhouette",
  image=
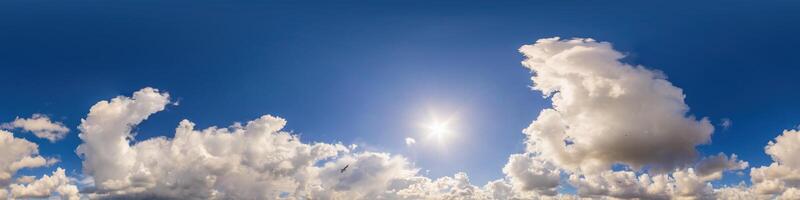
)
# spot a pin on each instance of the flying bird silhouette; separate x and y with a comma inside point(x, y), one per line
point(345, 168)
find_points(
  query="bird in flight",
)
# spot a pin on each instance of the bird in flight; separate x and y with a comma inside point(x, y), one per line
point(345, 168)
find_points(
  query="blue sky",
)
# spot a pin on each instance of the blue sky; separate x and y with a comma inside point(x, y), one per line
point(369, 73)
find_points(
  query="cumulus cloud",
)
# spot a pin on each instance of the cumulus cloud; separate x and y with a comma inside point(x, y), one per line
point(606, 112)
point(783, 175)
point(44, 187)
point(778, 180)
point(621, 184)
point(681, 184)
point(530, 173)
point(712, 167)
point(381, 176)
point(41, 126)
point(503, 189)
point(737, 192)
point(456, 187)
point(245, 161)
point(410, 141)
point(785, 148)
point(368, 176)
point(790, 194)
point(18, 153)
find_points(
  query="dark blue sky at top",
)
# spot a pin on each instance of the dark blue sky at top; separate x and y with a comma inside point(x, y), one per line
point(369, 72)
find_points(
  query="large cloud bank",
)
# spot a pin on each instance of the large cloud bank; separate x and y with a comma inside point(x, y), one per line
point(606, 113)
point(254, 160)
point(614, 131)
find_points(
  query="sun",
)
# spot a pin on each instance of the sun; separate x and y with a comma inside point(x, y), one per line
point(438, 130)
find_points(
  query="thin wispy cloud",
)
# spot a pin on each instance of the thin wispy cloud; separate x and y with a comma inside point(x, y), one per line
point(725, 123)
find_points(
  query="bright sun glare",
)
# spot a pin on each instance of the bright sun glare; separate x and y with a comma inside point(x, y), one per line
point(438, 129)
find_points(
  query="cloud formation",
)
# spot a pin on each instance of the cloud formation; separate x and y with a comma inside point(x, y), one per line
point(712, 167)
point(531, 173)
point(17, 154)
point(46, 187)
point(782, 177)
point(626, 185)
point(252, 161)
point(606, 112)
point(40, 125)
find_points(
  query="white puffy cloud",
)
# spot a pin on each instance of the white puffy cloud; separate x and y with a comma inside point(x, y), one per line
point(606, 112)
point(106, 132)
point(368, 176)
point(245, 161)
point(41, 126)
point(681, 184)
point(381, 176)
point(783, 175)
point(410, 141)
point(738, 192)
point(530, 173)
point(785, 149)
point(790, 194)
point(621, 184)
point(456, 187)
point(44, 187)
point(503, 189)
point(778, 180)
point(688, 185)
point(17, 153)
